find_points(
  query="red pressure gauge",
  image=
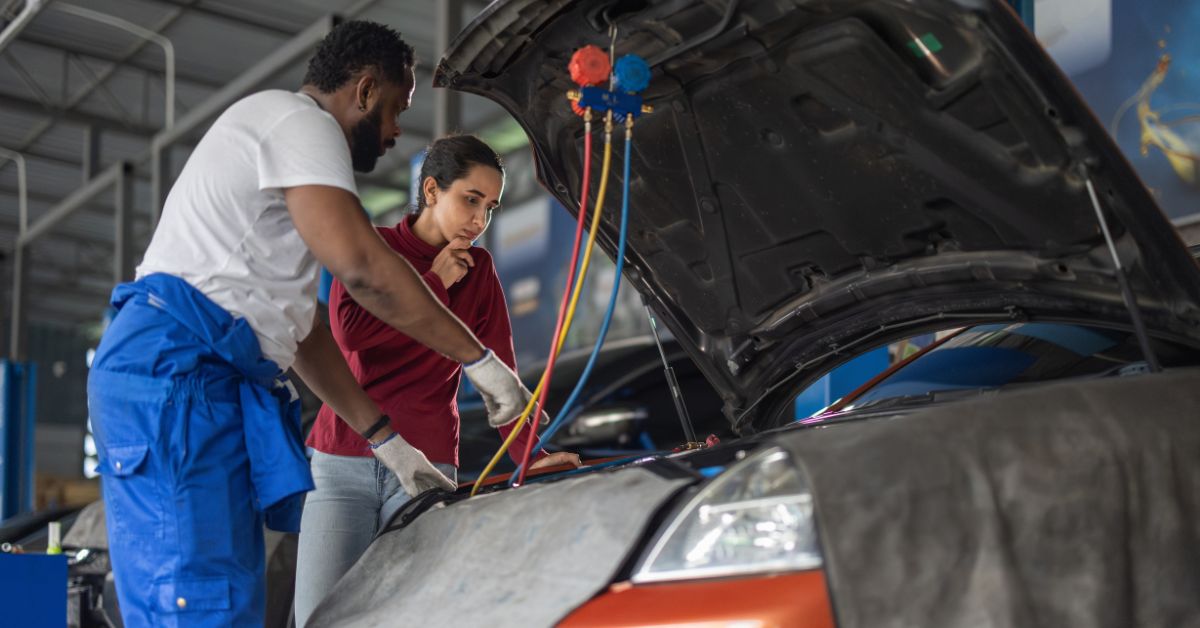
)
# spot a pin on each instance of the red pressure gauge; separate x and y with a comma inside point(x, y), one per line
point(589, 66)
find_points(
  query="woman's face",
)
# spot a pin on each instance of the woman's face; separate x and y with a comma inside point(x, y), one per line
point(465, 208)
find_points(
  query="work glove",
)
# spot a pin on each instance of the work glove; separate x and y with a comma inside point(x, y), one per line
point(412, 468)
point(503, 394)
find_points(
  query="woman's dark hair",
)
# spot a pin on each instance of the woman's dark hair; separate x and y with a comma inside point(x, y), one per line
point(354, 45)
point(450, 158)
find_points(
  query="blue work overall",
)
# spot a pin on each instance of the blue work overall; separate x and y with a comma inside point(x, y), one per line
point(199, 444)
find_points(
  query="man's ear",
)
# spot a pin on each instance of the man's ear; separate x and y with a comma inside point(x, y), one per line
point(366, 91)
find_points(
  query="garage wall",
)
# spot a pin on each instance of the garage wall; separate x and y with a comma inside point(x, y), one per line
point(60, 352)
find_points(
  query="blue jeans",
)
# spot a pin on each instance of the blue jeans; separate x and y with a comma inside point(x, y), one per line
point(354, 498)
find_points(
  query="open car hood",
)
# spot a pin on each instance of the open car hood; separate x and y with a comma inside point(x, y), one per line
point(819, 177)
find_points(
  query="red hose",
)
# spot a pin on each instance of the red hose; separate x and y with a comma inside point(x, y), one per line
point(562, 309)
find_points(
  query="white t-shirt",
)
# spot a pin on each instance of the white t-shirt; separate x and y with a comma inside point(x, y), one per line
point(225, 228)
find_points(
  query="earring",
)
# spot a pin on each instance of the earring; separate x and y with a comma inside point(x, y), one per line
point(362, 107)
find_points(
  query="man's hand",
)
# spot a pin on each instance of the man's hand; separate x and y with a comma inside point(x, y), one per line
point(412, 468)
point(503, 394)
point(452, 263)
point(556, 459)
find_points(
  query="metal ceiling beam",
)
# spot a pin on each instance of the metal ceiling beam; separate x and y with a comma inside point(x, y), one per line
point(55, 241)
point(268, 66)
point(9, 7)
point(30, 83)
point(138, 31)
point(115, 175)
point(36, 197)
point(376, 180)
point(63, 313)
point(51, 245)
point(422, 135)
point(234, 18)
point(17, 298)
point(36, 134)
point(90, 154)
point(48, 264)
point(359, 7)
point(426, 136)
point(72, 202)
point(56, 284)
point(114, 103)
point(60, 306)
point(201, 114)
point(22, 187)
point(65, 46)
point(34, 108)
point(35, 154)
point(42, 155)
point(14, 28)
point(447, 104)
point(123, 241)
point(214, 105)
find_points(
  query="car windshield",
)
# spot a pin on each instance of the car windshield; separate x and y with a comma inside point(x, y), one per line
point(987, 357)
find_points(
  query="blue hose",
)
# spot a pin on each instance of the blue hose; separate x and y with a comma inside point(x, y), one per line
point(562, 417)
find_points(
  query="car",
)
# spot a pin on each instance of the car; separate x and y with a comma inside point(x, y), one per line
point(817, 180)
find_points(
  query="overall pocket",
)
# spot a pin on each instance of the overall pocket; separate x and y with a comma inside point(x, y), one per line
point(133, 496)
point(192, 594)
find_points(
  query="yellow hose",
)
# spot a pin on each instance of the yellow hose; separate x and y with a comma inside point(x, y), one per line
point(583, 269)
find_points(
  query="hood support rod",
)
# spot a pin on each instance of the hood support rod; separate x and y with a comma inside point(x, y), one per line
point(1139, 326)
point(676, 394)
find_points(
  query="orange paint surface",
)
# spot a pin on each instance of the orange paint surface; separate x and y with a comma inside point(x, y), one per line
point(794, 600)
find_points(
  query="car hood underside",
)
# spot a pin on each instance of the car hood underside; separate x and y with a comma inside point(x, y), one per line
point(818, 176)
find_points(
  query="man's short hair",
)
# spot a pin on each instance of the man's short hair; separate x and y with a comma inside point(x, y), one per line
point(352, 46)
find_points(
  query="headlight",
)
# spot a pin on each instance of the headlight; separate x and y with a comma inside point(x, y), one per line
point(756, 517)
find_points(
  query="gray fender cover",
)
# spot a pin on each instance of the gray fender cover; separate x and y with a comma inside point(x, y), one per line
point(1070, 504)
point(516, 558)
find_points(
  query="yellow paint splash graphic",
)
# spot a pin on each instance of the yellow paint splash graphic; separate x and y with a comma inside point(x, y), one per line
point(1156, 132)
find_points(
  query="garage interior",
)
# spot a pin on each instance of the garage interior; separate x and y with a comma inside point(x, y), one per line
point(103, 101)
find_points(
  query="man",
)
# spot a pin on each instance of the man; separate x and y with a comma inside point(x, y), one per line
point(196, 426)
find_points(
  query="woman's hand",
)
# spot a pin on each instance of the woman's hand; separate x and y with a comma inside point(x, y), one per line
point(452, 263)
point(555, 459)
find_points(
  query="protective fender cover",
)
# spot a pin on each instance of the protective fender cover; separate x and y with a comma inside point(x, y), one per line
point(524, 557)
point(1069, 504)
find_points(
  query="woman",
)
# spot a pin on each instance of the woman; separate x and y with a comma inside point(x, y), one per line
point(461, 183)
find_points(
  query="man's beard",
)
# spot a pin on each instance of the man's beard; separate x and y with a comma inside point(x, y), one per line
point(365, 140)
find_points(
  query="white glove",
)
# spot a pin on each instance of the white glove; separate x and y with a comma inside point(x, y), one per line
point(503, 394)
point(412, 468)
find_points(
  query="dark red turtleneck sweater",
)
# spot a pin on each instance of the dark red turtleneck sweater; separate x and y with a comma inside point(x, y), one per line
point(416, 386)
